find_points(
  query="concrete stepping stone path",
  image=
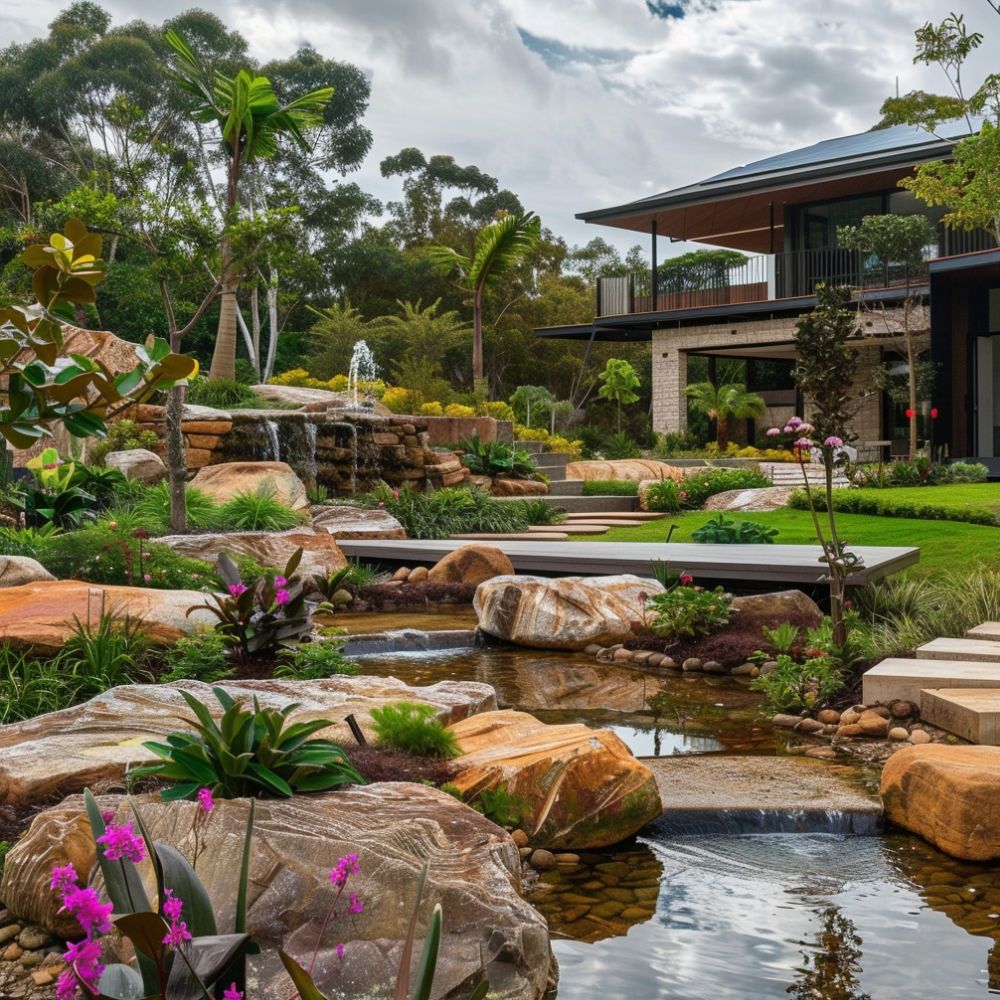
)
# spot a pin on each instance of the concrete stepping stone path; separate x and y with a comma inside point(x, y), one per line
point(972, 713)
point(899, 679)
point(985, 650)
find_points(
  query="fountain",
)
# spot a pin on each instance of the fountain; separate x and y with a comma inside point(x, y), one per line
point(362, 369)
point(272, 433)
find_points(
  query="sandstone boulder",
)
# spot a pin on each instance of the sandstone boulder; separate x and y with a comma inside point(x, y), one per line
point(581, 787)
point(137, 463)
point(765, 498)
point(790, 605)
point(223, 482)
point(42, 614)
point(471, 564)
point(949, 795)
point(95, 742)
point(564, 613)
point(633, 470)
point(18, 570)
point(301, 396)
point(394, 828)
point(518, 488)
point(350, 521)
point(320, 553)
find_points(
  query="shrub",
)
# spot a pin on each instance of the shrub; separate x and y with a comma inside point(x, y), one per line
point(702, 485)
point(539, 511)
point(620, 445)
point(123, 435)
point(963, 472)
point(663, 496)
point(496, 459)
point(727, 531)
point(459, 410)
point(794, 686)
point(610, 488)
point(31, 686)
point(257, 510)
point(153, 509)
point(315, 660)
point(414, 728)
point(103, 654)
point(203, 656)
point(434, 409)
point(104, 485)
point(223, 393)
point(248, 753)
point(400, 400)
point(550, 442)
point(501, 807)
point(849, 501)
point(685, 611)
point(498, 409)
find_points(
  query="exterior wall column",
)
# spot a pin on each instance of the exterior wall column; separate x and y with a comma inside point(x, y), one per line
point(670, 374)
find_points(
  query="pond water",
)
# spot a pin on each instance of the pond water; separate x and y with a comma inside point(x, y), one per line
point(813, 917)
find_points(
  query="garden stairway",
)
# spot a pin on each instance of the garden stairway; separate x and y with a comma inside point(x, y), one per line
point(790, 474)
point(552, 464)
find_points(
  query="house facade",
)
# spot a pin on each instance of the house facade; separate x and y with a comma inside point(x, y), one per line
point(783, 213)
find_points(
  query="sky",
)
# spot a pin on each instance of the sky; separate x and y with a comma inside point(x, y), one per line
point(581, 104)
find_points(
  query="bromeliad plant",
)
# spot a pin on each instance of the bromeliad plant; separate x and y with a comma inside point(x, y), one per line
point(248, 753)
point(265, 615)
point(685, 611)
point(496, 459)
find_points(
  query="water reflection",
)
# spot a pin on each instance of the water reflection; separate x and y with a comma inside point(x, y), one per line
point(832, 963)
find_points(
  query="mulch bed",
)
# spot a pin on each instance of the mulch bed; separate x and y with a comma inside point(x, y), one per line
point(375, 763)
point(398, 596)
point(730, 646)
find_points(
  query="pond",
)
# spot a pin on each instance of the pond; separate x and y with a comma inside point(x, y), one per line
point(818, 916)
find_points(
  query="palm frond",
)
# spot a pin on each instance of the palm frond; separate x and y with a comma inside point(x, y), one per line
point(447, 261)
point(501, 245)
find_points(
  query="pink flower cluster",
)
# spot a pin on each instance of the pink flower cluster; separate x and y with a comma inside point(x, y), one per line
point(281, 597)
point(121, 841)
point(344, 868)
point(94, 917)
point(178, 932)
point(231, 993)
point(339, 874)
point(205, 799)
point(236, 589)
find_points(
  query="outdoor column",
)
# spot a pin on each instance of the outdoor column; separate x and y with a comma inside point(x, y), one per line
point(669, 384)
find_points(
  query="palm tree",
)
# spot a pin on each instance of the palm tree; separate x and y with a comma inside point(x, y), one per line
point(723, 403)
point(252, 122)
point(498, 249)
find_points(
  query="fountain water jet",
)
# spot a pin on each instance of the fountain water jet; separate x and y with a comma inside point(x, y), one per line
point(362, 369)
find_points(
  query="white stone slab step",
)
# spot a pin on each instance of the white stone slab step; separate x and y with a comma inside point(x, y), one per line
point(987, 650)
point(519, 536)
point(903, 679)
point(615, 515)
point(988, 630)
point(972, 713)
point(571, 526)
point(576, 529)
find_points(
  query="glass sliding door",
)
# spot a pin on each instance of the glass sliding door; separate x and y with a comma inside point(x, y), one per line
point(988, 396)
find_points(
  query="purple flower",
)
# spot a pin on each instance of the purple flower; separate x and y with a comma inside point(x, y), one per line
point(88, 910)
point(108, 815)
point(280, 581)
point(344, 869)
point(356, 905)
point(833, 442)
point(794, 423)
point(205, 799)
point(803, 444)
point(121, 841)
point(235, 589)
point(231, 993)
point(340, 951)
point(178, 932)
point(773, 432)
point(64, 878)
point(281, 597)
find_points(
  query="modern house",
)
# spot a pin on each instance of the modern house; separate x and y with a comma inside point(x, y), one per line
point(783, 213)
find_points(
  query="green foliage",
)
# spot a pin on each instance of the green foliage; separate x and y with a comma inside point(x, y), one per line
point(203, 656)
point(685, 611)
point(414, 728)
point(223, 393)
point(496, 459)
point(248, 752)
point(30, 686)
point(530, 400)
point(540, 511)
point(349, 577)
point(5, 846)
point(103, 654)
point(619, 445)
point(619, 380)
point(862, 502)
point(153, 509)
point(610, 488)
point(920, 472)
point(702, 485)
point(663, 496)
point(723, 403)
point(501, 807)
point(123, 435)
point(104, 485)
point(782, 637)
point(315, 660)
point(257, 510)
point(727, 531)
point(796, 686)
point(961, 472)
point(675, 445)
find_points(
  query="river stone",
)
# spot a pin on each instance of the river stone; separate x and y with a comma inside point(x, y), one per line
point(633, 470)
point(222, 482)
point(765, 498)
point(583, 787)
point(348, 521)
point(471, 564)
point(949, 795)
point(394, 828)
point(779, 604)
point(137, 463)
point(41, 614)
point(66, 751)
point(320, 556)
point(564, 613)
point(18, 570)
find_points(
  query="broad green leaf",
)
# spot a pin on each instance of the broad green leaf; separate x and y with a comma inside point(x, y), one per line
point(206, 957)
point(145, 931)
point(179, 876)
point(301, 979)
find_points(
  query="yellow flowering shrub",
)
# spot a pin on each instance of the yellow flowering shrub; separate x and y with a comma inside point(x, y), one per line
point(459, 410)
point(498, 409)
point(432, 409)
point(399, 400)
point(550, 442)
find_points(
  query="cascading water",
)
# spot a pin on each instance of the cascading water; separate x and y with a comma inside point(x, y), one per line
point(362, 369)
point(271, 427)
point(310, 456)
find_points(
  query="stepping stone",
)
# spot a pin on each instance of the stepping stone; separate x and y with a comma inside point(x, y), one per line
point(526, 536)
point(573, 526)
point(616, 515)
point(972, 713)
point(903, 679)
point(988, 630)
point(580, 529)
point(987, 650)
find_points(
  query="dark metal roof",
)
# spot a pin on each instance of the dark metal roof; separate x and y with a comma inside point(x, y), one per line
point(964, 262)
point(846, 154)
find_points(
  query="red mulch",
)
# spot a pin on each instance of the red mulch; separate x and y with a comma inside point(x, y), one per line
point(415, 595)
point(376, 763)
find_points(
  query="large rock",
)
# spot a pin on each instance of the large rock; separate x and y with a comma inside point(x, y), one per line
point(18, 570)
point(582, 787)
point(633, 470)
point(349, 521)
point(949, 795)
point(765, 498)
point(222, 482)
point(299, 395)
point(320, 553)
point(785, 605)
point(471, 564)
point(137, 463)
point(518, 488)
point(565, 613)
point(95, 742)
point(42, 614)
point(394, 828)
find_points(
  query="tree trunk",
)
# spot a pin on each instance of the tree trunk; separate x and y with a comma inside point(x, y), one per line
point(477, 337)
point(224, 355)
point(272, 322)
point(721, 432)
point(176, 459)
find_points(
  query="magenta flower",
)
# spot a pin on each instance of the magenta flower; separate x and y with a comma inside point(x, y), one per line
point(121, 841)
point(686, 579)
point(231, 993)
point(178, 932)
point(773, 432)
point(345, 867)
point(235, 589)
point(87, 909)
point(108, 815)
point(280, 581)
point(205, 799)
point(64, 878)
point(66, 985)
point(281, 597)
point(85, 959)
point(356, 906)
point(340, 951)
point(834, 442)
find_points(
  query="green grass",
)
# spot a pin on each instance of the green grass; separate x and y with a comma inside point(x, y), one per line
point(943, 544)
point(983, 495)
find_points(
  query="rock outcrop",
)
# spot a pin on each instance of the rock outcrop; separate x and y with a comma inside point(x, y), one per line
point(783, 605)
point(18, 570)
point(394, 828)
point(94, 743)
point(765, 498)
point(137, 463)
point(349, 521)
point(581, 787)
point(634, 470)
point(518, 487)
point(949, 795)
point(471, 564)
point(223, 482)
point(564, 613)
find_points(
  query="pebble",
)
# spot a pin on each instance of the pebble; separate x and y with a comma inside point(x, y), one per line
point(713, 667)
point(656, 660)
point(543, 860)
point(919, 736)
point(828, 716)
point(525, 853)
point(668, 663)
point(786, 721)
point(604, 656)
point(822, 753)
point(9, 932)
point(401, 574)
point(12, 952)
point(418, 574)
point(42, 977)
point(850, 717)
point(879, 710)
point(691, 663)
point(899, 733)
point(567, 859)
point(641, 655)
point(593, 649)
point(850, 730)
point(901, 709)
point(808, 726)
point(520, 838)
point(622, 655)
point(34, 937)
point(32, 958)
point(872, 723)
point(768, 668)
point(744, 670)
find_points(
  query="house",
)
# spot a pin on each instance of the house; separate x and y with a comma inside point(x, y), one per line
point(783, 213)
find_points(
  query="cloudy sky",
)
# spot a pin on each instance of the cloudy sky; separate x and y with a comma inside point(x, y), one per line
point(578, 104)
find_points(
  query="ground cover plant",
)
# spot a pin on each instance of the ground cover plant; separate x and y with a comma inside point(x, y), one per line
point(699, 486)
point(722, 530)
point(496, 459)
point(938, 503)
point(415, 729)
point(685, 610)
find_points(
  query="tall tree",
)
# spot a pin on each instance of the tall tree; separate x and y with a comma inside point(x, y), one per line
point(619, 382)
point(252, 124)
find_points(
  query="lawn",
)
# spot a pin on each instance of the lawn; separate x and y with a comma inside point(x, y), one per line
point(984, 496)
point(943, 544)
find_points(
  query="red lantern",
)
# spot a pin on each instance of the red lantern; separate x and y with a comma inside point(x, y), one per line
point(934, 413)
point(910, 414)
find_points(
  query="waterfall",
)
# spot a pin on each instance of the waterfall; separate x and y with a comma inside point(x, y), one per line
point(310, 456)
point(362, 369)
point(737, 822)
point(271, 427)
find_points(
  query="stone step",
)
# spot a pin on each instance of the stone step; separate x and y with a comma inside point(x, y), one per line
point(988, 630)
point(578, 504)
point(522, 536)
point(618, 515)
point(903, 679)
point(576, 529)
point(984, 650)
point(531, 447)
point(551, 460)
point(566, 488)
point(972, 713)
point(571, 525)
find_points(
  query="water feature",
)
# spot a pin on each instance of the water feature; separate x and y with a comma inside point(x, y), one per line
point(362, 369)
point(271, 429)
point(352, 433)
